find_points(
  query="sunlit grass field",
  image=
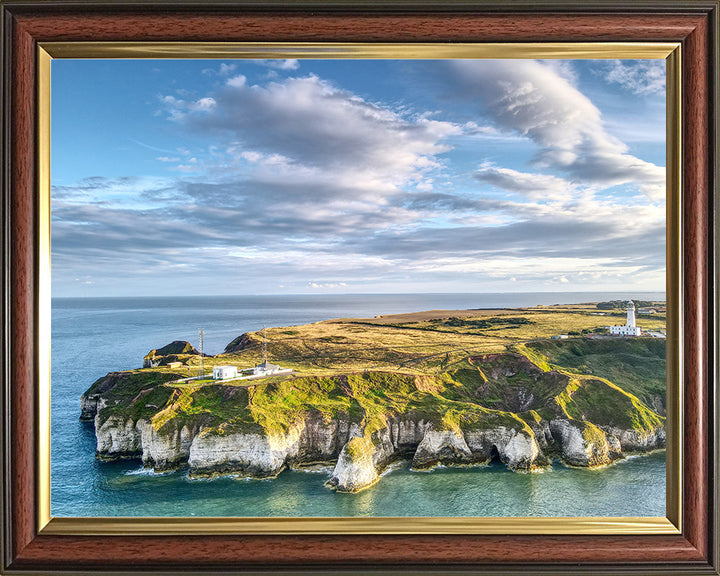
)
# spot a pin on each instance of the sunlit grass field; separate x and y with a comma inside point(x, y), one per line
point(436, 365)
point(425, 342)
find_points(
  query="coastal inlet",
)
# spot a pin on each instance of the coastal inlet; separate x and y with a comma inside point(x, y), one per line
point(522, 387)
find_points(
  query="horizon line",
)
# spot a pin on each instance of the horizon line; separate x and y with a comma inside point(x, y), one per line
point(361, 294)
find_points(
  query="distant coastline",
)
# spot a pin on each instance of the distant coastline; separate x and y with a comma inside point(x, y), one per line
point(531, 298)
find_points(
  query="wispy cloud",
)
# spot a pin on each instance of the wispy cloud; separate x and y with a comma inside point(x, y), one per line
point(637, 76)
point(536, 100)
point(223, 70)
point(282, 64)
point(532, 185)
point(304, 183)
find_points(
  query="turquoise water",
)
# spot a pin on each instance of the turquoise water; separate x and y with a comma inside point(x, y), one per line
point(634, 487)
point(93, 337)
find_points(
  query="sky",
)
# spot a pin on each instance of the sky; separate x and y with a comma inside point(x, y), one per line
point(236, 177)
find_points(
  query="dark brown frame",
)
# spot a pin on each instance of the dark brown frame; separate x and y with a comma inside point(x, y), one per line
point(693, 23)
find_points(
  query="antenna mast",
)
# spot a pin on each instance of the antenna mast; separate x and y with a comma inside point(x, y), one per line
point(264, 346)
point(202, 356)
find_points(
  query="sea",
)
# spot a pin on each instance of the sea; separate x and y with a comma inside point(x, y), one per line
point(94, 336)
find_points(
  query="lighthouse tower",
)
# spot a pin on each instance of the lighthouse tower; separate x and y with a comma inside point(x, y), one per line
point(630, 328)
point(631, 314)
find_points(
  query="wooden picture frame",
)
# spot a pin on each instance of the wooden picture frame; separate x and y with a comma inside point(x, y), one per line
point(29, 549)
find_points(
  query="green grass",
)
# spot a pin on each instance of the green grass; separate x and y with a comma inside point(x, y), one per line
point(474, 371)
point(424, 345)
point(135, 393)
point(605, 404)
point(224, 408)
point(637, 365)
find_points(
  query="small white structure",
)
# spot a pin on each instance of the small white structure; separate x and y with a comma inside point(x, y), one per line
point(630, 329)
point(266, 369)
point(224, 372)
point(655, 334)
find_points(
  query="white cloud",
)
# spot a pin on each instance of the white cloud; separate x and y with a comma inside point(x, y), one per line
point(533, 186)
point(310, 131)
point(223, 70)
point(226, 69)
point(205, 104)
point(326, 284)
point(286, 64)
point(305, 180)
point(178, 109)
point(237, 81)
point(638, 76)
point(536, 100)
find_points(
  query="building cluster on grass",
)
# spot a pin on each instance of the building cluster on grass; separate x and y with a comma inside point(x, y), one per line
point(630, 328)
point(232, 373)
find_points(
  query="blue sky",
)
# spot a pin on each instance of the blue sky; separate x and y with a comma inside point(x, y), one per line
point(310, 176)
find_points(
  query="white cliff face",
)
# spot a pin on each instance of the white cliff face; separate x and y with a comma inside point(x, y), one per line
point(521, 451)
point(517, 448)
point(634, 441)
point(577, 450)
point(355, 468)
point(383, 448)
point(441, 447)
point(117, 438)
point(250, 454)
point(168, 450)
point(543, 435)
point(360, 457)
point(405, 434)
point(89, 407)
point(322, 441)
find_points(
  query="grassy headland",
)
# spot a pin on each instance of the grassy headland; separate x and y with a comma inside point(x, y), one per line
point(450, 371)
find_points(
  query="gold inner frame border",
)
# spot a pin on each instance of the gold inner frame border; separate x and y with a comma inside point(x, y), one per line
point(670, 524)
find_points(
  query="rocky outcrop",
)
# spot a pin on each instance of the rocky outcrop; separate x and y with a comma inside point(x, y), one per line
point(89, 401)
point(442, 447)
point(360, 457)
point(265, 455)
point(634, 441)
point(252, 455)
point(238, 344)
point(355, 469)
point(88, 407)
point(168, 353)
point(322, 442)
point(168, 450)
point(363, 459)
point(517, 449)
point(118, 438)
point(406, 434)
point(583, 444)
point(117, 387)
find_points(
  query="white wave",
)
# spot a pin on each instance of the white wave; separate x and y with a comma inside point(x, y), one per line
point(142, 471)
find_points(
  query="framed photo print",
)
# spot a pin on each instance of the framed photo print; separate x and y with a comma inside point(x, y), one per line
point(332, 288)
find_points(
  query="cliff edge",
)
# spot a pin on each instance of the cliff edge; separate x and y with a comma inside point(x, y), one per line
point(519, 407)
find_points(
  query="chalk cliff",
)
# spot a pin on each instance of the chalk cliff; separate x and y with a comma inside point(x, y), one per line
point(500, 407)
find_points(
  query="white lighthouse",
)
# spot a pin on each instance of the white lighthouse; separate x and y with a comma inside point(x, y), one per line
point(630, 328)
point(631, 314)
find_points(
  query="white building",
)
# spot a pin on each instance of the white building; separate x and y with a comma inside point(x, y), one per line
point(224, 372)
point(266, 369)
point(630, 329)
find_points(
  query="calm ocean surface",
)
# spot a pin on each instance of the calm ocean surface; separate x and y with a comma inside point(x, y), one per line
point(91, 337)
